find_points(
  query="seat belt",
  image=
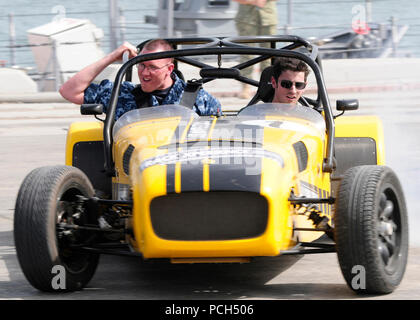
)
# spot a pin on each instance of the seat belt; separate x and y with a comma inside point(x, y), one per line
point(190, 93)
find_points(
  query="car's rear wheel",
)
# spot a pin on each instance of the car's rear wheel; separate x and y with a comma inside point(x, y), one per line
point(48, 197)
point(371, 229)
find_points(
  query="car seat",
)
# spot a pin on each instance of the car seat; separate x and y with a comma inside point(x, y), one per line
point(265, 90)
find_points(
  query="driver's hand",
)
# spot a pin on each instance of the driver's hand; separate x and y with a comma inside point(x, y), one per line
point(126, 46)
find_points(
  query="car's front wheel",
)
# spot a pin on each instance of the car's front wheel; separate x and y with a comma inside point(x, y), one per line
point(48, 198)
point(371, 229)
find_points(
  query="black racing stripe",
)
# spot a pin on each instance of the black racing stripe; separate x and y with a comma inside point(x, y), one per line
point(173, 147)
point(183, 124)
point(192, 171)
point(170, 168)
point(225, 130)
point(170, 178)
point(232, 130)
point(251, 133)
point(199, 129)
point(236, 174)
point(191, 176)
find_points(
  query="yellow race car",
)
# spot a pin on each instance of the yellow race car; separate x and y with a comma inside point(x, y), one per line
point(269, 180)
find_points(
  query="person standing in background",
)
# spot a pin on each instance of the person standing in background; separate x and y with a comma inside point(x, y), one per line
point(255, 18)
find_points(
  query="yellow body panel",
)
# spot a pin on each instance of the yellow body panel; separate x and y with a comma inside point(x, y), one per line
point(276, 184)
point(282, 222)
point(151, 139)
point(363, 126)
point(82, 131)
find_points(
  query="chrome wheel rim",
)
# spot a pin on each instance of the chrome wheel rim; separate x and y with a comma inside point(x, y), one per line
point(389, 229)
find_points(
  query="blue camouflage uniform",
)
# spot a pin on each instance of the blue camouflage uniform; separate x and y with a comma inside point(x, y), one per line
point(205, 104)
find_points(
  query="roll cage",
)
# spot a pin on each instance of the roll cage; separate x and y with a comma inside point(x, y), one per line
point(296, 48)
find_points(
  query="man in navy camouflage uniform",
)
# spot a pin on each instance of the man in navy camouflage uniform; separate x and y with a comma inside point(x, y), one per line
point(158, 84)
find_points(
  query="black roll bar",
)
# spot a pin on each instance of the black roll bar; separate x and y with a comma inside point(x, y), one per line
point(217, 49)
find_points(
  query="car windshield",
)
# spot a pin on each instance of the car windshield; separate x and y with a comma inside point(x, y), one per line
point(253, 112)
point(157, 112)
point(261, 111)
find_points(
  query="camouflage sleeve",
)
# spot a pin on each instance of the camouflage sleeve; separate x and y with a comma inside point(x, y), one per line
point(207, 105)
point(99, 93)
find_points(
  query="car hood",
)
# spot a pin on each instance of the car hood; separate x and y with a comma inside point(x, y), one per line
point(170, 135)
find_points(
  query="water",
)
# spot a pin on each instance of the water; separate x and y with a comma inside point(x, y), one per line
point(321, 15)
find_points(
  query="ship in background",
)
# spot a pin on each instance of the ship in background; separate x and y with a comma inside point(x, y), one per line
point(64, 46)
point(362, 39)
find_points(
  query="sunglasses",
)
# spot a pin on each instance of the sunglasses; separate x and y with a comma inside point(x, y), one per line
point(287, 84)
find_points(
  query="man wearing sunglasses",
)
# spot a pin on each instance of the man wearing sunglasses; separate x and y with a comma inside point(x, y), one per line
point(159, 85)
point(289, 80)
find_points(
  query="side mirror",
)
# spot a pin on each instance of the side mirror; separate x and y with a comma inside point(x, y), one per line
point(91, 109)
point(347, 105)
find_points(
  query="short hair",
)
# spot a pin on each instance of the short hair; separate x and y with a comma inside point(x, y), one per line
point(292, 64)
point(158, 43)
point(155, 44)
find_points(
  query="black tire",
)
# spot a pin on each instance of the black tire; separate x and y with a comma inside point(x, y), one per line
point(40, 205)
point(371, 229)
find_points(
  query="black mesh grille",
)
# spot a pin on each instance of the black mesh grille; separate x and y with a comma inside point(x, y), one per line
point(209, 215)
point(126, 159)
point(301, 155)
